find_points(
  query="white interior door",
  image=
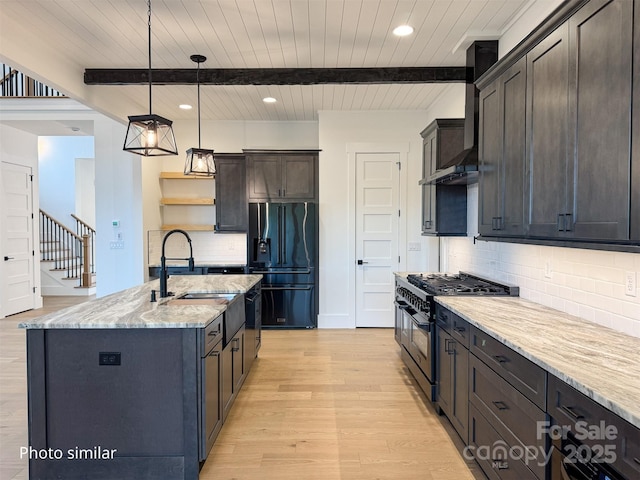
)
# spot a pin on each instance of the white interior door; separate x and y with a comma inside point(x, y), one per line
point(377, 221)
point(17, 239)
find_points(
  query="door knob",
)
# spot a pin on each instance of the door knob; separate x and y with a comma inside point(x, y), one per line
point(361, 262)
point(7, 258)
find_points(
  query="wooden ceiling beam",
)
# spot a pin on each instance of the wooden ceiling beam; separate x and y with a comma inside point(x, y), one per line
point(278, 76)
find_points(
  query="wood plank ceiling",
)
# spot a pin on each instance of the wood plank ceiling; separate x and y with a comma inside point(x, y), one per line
point(262, 34)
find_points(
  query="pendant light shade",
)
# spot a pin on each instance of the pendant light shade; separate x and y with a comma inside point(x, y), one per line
point(199, 160)
point(150, 135)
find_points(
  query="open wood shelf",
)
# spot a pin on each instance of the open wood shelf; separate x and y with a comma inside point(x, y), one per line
point(187, 201)
point(182, 176)
point(198, 228)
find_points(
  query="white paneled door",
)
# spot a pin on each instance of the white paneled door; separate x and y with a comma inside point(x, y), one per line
point(17, 239)
point(377, 221)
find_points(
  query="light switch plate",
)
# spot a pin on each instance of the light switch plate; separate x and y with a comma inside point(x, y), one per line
point(414, 246)
point(630, 286)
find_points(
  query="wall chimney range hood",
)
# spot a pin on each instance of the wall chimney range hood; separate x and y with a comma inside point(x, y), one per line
point(463, 168)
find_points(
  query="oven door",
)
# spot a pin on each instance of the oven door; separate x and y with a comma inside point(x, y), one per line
point(421, 345)
point(568, 463)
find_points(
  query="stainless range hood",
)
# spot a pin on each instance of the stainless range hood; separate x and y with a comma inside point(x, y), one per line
point(463, 168)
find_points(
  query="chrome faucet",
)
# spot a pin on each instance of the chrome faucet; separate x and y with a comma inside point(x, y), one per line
point(163, 261)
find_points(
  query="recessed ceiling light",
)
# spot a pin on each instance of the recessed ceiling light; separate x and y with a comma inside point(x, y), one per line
point(185, 106)
point(403, 30)
point(269, 100)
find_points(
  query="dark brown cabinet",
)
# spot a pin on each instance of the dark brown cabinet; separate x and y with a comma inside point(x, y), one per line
point(575, 132)
point(233, 373)
point(444, 207)
point(600, 83)
point(502, 154)
point(231, 196)
point(282, 175)
point(452, 344)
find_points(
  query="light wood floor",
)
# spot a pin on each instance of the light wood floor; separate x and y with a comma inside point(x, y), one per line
point(317, 404)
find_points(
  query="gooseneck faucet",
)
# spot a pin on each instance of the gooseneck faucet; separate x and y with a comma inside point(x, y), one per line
point(163, 261)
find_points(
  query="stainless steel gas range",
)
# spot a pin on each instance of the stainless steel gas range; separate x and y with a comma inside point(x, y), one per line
point(415, 316)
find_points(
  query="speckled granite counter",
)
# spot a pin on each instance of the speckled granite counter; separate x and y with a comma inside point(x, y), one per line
point(600, 362)
point(132, 308)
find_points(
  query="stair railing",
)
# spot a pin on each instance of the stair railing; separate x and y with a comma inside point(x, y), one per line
point(82, 229)
point(65, 249)
point(17, 84)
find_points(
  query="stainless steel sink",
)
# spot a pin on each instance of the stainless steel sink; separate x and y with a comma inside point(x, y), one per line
point(200, 295)
point(202, 298)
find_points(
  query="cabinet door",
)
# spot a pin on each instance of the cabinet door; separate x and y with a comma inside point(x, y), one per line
point(237, 348)
point(513, 86)
point(547, 119)
point(443, 364)
point(460, 390)
point(489, 161)
point(601, 46)
point(264, 177)
point(211, 400)
point(429, 191)
point(231, 197)
point(298, 177)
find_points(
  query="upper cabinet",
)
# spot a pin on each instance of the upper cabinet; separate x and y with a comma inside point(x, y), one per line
point(558, 121)
point(444, 207)
point(282, 175)
point(502, 153)
point(231, 193)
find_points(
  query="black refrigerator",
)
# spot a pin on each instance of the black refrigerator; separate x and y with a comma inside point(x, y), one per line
point(283, 247)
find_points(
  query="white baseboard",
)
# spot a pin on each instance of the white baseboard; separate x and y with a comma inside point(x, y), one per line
point(336, 321)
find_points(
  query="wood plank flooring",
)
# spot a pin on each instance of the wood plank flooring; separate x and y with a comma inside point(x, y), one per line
point(317, 404)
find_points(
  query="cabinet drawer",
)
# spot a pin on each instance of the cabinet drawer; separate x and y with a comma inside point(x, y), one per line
point(491, 451)
point(579, 414)
point(210, 335)
point(520, 372)
point(456, 326)
point(504, 406)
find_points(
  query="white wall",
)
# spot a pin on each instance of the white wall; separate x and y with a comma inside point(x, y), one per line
point(118, 197)
point(585, 283)
point(57, 165)
point(336, 131)
point(21, 148)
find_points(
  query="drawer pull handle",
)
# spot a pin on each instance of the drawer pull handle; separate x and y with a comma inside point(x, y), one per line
point(571, 412)
point(500, 405)
point(637, 460)
point(214, 354)
point(215, 333)
point(459, 330)
point(501, 358)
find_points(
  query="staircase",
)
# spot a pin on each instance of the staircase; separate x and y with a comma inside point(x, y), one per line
point(66, 258)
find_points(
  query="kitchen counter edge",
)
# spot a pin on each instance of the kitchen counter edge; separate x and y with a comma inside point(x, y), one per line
point(132, 308)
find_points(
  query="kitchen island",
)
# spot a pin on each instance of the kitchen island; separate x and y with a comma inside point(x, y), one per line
point(122, 387)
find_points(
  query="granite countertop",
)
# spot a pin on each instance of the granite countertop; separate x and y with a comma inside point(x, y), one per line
point(132, 308)
point(598, 361)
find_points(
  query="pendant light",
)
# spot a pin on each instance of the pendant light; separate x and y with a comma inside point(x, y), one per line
point(199, 160)
point(150, 135)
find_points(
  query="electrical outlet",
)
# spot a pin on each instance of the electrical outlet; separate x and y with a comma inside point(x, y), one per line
point(414, 246)
point(116, 245)
point(547, 269)
point(630, 284)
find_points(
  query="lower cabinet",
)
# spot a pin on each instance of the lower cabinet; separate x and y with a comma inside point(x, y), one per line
point(520, 422)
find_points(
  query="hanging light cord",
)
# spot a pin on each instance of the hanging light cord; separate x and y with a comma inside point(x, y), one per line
point(149, 29)
point(198, 82)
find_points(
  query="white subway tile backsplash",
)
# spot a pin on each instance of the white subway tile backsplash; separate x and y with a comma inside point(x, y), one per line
point(585, 283)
